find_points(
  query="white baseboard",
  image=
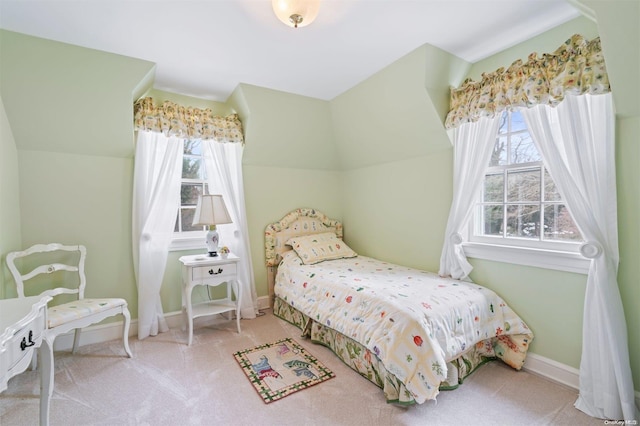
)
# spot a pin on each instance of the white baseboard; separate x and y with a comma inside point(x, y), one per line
point(552, 370)
point(263, 302)
point(558, 372)
point(113, 330)
point(95, 334)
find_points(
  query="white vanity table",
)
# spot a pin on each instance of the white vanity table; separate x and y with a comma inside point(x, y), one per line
point(22, 324)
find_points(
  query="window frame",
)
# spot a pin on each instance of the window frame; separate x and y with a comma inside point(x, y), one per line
point(189, 240)
point(526, 256)
point(548, 254)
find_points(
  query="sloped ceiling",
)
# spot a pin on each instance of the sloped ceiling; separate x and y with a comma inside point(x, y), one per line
point(205, 48)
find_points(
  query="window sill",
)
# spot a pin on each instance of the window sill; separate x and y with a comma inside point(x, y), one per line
point(548, 259)
point(187, 243)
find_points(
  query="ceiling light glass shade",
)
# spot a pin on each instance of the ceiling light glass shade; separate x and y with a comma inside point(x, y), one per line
point(296, 13)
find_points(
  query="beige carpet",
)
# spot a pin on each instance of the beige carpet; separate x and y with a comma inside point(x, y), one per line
point(169, 383)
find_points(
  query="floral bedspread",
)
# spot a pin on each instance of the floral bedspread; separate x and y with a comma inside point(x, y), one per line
point(414, 321)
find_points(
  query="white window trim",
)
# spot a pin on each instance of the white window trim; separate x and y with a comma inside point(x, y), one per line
point(540, 253)
point(188, 241)
point(541, 258)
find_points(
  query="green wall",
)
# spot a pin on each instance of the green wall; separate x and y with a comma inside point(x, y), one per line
point(390, 116)
point(10, 239)
point(70, 111)
point(82, 199)
point(628, 159)
point(396, 158)
point(376, 157)
point(397, 211)
point(290, 161)
point(64, 98)
point(285, 130)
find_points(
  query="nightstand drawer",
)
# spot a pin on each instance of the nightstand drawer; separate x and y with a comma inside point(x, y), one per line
point(22, 325)
point(24, 341)
point(217, 272)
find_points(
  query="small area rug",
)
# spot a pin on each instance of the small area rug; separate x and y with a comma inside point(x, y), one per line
point(281, 368)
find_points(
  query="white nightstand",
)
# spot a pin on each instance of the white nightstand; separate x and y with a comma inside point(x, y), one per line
point(23, 323)
point(210, 271)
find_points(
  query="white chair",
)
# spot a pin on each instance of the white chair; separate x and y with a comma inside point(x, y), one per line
point(66, 273)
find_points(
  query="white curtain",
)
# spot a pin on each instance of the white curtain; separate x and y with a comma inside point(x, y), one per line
point(223, 162)
point(156, 196)
point(576, 140)
point(472, 147)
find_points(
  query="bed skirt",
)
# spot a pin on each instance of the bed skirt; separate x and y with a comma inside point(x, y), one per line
point(367, 364)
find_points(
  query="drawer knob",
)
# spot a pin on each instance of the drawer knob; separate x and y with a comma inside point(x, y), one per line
point(212, 272)
point(24, 345)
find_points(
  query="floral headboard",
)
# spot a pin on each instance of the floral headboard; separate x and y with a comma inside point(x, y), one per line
point(303, 221)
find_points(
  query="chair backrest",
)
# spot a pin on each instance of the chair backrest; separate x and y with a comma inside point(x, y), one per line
point(65, 258)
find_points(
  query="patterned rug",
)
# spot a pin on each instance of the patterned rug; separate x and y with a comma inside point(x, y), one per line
point(281, 368)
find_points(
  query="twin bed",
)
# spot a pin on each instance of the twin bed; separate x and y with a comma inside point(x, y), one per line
point(411, 332)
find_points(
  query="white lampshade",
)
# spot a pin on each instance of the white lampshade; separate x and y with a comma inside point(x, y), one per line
point(296, 13)
point(211, 210)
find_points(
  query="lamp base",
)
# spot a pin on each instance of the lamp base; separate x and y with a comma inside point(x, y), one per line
point(212, 239)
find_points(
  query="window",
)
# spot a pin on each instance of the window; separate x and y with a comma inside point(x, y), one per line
point(193, 185)
point(519, 205)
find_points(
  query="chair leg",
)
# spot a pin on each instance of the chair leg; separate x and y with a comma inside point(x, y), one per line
point(46, 379)
point(125, 335)
point(76, 340)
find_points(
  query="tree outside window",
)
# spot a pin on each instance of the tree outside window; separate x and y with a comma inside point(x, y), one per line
point(193, 185)
point(519, 199)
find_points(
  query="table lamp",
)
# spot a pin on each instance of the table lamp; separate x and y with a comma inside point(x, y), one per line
point(211, 211)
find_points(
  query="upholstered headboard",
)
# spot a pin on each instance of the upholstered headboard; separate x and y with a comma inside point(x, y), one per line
point(303, 221)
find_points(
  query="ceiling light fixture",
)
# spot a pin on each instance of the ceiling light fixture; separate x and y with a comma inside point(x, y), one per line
point(296, 13)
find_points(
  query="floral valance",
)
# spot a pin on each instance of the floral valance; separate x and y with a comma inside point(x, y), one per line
point(576, 67)
point(188, 122)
